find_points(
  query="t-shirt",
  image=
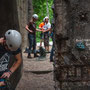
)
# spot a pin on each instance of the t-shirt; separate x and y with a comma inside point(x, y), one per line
point(47, 26)
point(32, 26)
point(5, 57)
point(41, 25)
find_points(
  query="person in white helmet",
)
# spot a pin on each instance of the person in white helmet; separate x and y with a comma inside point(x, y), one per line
point(41, 25)
point(47, 28)
point(31, 28)
point(9, 45)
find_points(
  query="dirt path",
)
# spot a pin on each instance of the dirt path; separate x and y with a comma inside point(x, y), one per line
point(37, 74)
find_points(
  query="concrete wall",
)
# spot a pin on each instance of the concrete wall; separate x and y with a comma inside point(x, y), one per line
point(8, 16)
point(72, 25)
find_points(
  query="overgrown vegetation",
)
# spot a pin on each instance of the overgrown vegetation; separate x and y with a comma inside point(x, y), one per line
point(40, 8)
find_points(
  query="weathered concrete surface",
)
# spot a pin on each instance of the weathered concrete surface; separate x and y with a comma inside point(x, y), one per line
point(72, 25)
point(41, 78)
point(8, 16)
point(22, 8)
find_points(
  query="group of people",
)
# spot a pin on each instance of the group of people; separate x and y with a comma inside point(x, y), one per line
point(10, 45)
point(44, 28)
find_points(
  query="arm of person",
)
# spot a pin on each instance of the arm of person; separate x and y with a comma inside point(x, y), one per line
point(49, 29)
point(14, 66)
point(27, 28)
point(38, 29)
point(17, 63)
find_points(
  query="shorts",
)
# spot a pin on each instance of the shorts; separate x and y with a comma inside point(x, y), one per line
point(41, 36)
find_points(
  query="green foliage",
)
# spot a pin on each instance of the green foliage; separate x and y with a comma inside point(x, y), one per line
point(39, 7)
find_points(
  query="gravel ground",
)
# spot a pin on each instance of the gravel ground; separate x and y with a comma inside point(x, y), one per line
point(37, 74)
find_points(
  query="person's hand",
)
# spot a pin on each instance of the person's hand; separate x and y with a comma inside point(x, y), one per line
point(6, 75)
point(2, 40)
point(43, 31)
point(2, 83)
point(30, 31)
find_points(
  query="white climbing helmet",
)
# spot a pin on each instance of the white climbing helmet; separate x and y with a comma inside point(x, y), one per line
point(46, 17)
point(43, 19)
point(13, 39)
point(35, 16)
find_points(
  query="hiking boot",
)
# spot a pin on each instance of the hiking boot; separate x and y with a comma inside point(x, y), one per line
point(35, 55)
point(29, 56)
point(51, 60)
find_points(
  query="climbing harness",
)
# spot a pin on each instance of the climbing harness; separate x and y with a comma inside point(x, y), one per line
point(7, 85)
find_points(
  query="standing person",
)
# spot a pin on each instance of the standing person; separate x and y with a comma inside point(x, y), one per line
point(41, 28)
point(52, 50)
point(31, 28)
point(9, 45)
point(53, 40)
point(47, 28)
